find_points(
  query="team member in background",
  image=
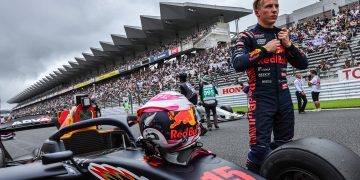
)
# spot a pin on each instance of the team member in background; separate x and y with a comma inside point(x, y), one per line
point(189, 92)
point(300, 93)
point(126, 107)
point(97, 109)
point(263, 52)
point(314, 83)
point(207, 93)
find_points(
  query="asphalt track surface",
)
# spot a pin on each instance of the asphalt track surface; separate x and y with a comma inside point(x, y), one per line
point(231, 140)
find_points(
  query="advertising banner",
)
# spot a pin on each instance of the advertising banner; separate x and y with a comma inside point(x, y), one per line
point(174, 50)
point(122, 69)
point(136, 65)
point(160, 56)
point(83, 84)
point(349, 74)
point(229, 90)
point(107, 75)
point(145, 61)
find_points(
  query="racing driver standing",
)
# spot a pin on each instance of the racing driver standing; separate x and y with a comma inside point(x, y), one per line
point(263, 52)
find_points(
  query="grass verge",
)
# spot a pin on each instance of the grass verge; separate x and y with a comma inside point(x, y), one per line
point(330, 104)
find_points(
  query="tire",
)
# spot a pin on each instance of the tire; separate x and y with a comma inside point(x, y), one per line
point(227, 108)
point(311, 158)
point(2, 159)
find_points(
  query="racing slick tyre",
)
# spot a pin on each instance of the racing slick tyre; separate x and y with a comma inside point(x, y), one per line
point(2, 159)
point(311, 159)
point(227, 108)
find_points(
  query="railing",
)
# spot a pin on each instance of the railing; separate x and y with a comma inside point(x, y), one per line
point(329, 91)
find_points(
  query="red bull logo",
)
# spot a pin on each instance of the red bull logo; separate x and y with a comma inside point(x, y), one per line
point(190, 131)
point(254, 52)
point(281, 50)
point(184, 117)
point(275, 59)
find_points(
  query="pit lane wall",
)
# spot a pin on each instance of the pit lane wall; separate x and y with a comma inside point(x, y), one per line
point(346, 87)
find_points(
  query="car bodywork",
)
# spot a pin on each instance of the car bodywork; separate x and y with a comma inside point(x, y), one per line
point(107, 154)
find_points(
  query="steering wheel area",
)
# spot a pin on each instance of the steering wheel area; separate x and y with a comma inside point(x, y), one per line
point(88, 140)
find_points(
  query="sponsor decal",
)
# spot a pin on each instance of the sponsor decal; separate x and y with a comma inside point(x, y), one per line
point(28, 121)
point(107, 172)
point(107, 75)
point(263, 69)
point(266, 81)
point(190, 131)
point(184, 117)
point(254, 52)
point(261, 41)
point(275, 59)
point(226, 172)
point(259, 35)
point(349, 74)
point(261, 75)
point(281, 50)
point(252, 108)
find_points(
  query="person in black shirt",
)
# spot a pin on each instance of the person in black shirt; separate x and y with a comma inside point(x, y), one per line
point(189, 92)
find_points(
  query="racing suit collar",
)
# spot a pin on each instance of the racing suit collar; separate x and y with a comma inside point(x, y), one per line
point(263, 29)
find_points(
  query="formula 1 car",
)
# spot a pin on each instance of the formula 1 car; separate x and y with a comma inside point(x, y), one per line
point(6, 136)
point(72, 153)
point(224, 113)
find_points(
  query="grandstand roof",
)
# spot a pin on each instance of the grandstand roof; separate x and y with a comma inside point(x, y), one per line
point(175, 20)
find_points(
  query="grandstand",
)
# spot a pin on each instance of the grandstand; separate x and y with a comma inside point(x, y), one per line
point(186, 37)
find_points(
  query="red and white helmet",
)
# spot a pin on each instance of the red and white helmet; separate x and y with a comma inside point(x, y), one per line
point(170, 120)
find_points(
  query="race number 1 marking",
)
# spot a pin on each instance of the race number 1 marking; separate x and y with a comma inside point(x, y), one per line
point(226, 173)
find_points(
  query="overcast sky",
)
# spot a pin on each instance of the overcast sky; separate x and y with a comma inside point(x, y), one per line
point(39, 36)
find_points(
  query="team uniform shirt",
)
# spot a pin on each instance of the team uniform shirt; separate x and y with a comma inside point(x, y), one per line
point(315, 84)
point(270, 104)
point(187, 90)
